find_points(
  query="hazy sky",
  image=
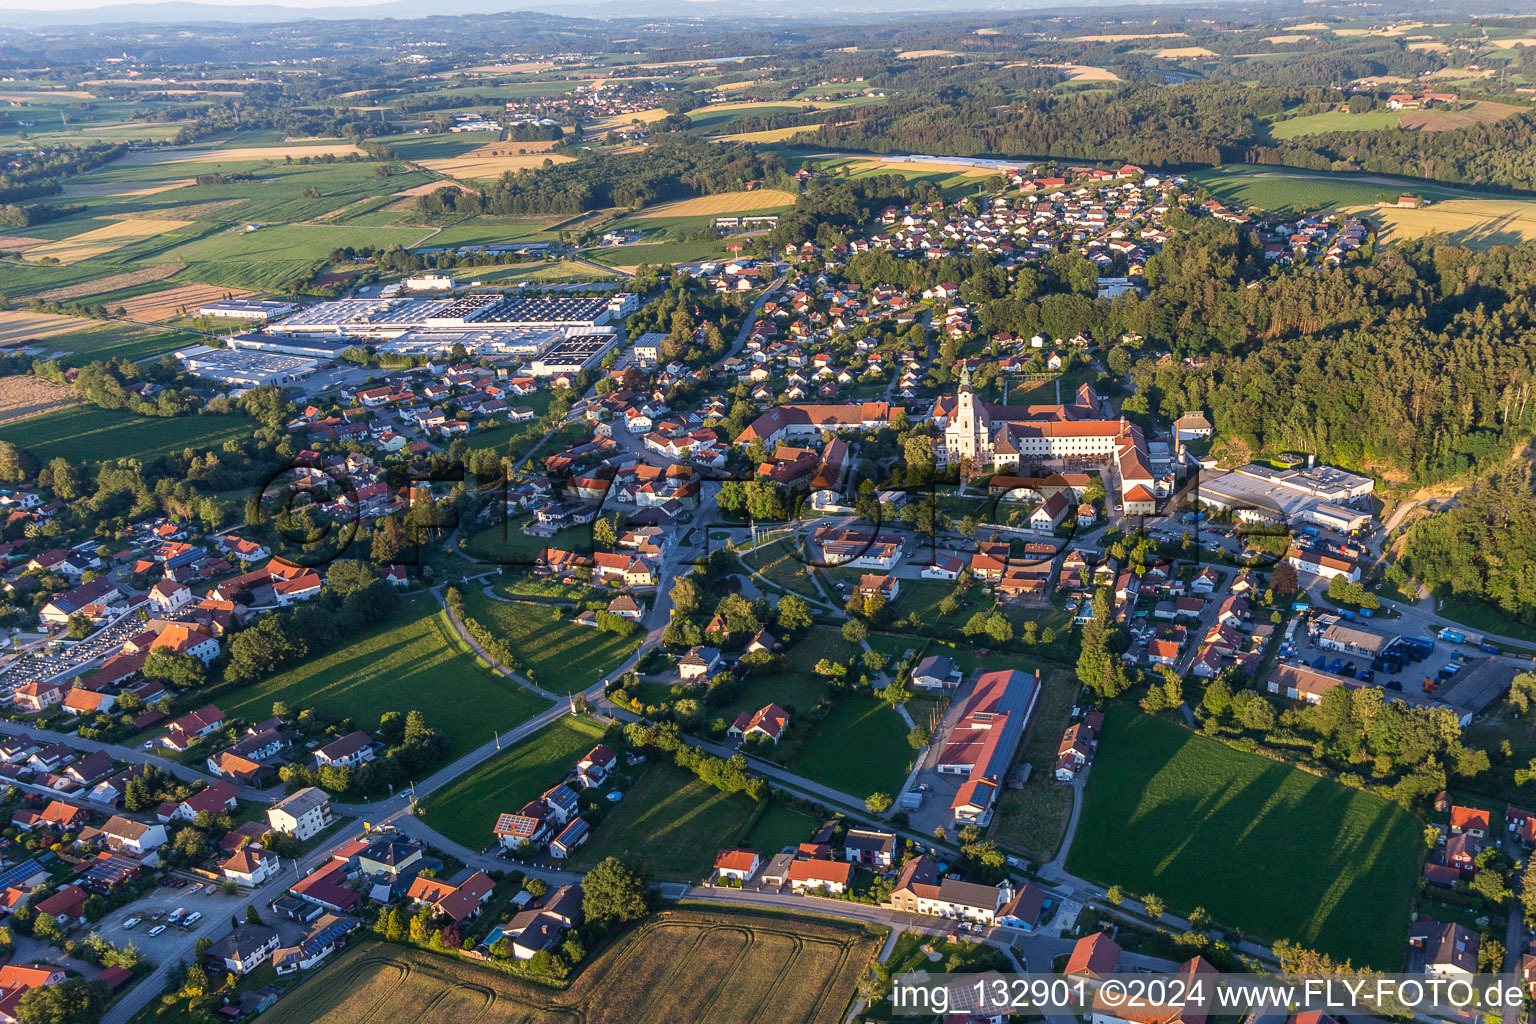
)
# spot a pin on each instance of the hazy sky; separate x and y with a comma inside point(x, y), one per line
point(75, 5)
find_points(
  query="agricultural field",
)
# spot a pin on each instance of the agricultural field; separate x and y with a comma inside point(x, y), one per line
point(102, 240)
point(465, 810)
point(87, 433)
point(415, 661)
point(19, 328)
point(770, 134)
point(1334, 121)
point(859, 748)
point(493, 160)
point(111, 283)
point(23, 396)
point(1086, 73)
point(1477, 223)
point(171, 303)
point(287, 242)
point(628, 257)
point(721, 204)
point(1295, 191)
point(680, 964)
point(671, 821)
point(1301, 857)
point(560, 655)
point(1481, 112)
point(235, 154)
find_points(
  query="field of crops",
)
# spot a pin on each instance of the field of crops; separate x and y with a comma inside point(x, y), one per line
point(494, 160)
point(182, 300)
point(23, 396)
point(721, 204)
point(1478, 223)
point(413, 662)
point(1291, 190)
point(111, 283)
point(87, 433)
point(105, 239)
point(18, 327)
point(1264, 847)
point(684, 964)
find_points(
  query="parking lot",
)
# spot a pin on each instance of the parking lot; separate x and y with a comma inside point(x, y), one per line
point(153, 909)
point(49, 661)
point(1432, 654)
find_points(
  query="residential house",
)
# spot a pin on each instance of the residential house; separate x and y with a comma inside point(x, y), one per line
point(244, 949)
point(302, 814)
point(738, 864)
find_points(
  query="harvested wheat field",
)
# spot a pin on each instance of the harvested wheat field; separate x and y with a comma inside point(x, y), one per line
point(735, 86)
point(915, 54)
point(204, 156)
point(168, 304)
point(23, 396)
point(17, 326)
point(1081, 72)
point(494, 160)
point(102, 285)
point(103, 239)
point(721, 204)
point(1481, 112)
point(1177, 52)
point(106, 189)
point(20, 243)
point(27, 96)
point(1288, 39)
point(427, 188)
point(606, 124)
point(1479, 223)
point(768, 134)
point(680, 965)
point(191, 211)
point(875, 165)
point(526, 67)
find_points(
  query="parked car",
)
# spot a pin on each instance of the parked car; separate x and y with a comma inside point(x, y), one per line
point(176, 915)
point(156, 930)
point(191, 919)
point(132, 922)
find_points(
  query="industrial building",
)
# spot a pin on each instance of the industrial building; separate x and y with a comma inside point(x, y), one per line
point(984, 741)
point(577, 350)
point(245, 309)
point(1339, 637)
point(1261, 493)
point(308, 347)
point(244, 369)
point(384, 319)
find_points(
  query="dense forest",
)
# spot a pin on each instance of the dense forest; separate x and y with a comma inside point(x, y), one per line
point(1484, 546)
point(1197, 124)
point(1421, 365)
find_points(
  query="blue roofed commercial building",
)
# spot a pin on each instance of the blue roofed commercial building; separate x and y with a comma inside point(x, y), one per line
point(984, 741)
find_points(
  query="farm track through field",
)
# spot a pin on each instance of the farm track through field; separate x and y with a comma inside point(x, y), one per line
point(796, 944)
